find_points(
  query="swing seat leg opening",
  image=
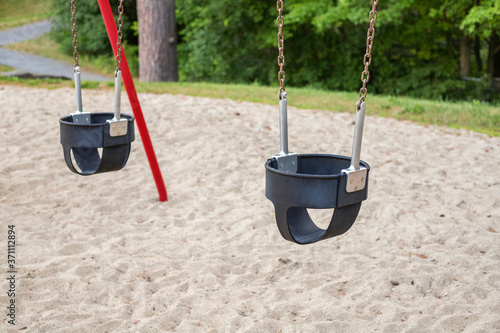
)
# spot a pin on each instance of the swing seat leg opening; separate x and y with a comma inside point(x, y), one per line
point(321, 183)
point(81, 142)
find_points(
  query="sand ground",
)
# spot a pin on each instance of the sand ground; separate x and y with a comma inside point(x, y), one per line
point(101, 254)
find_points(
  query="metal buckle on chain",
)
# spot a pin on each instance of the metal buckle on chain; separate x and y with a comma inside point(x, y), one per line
point(287, 162)
point(79, 116)
point(118, 126)
point(356, 175)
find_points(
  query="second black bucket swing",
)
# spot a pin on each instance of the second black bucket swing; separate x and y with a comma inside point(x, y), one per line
point(296, 182)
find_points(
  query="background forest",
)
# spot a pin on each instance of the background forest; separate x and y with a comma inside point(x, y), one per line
point(447, 50)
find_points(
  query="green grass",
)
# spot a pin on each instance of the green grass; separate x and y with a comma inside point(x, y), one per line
point(476, 116)
point(473, 116)
point(46, 83)
point(44, 46)
point(4, 68)
point(14, 13)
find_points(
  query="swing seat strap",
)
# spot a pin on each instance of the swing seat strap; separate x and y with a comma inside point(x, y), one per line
point(88, 160)
point(295, 224)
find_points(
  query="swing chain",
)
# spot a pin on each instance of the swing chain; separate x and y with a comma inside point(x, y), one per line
point(119, 37)
point(367, 59)
point(74, 32)
point(281, 46)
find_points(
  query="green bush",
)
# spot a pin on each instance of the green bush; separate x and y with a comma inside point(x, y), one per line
point(92, 37)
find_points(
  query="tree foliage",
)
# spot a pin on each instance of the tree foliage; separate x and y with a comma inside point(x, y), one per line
point(416, 50)
point(92, 36)
point(482, 19)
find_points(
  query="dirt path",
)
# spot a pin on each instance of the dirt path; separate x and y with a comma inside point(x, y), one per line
point(29, 64)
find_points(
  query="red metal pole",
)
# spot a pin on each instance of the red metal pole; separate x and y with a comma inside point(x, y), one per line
point(109, 21)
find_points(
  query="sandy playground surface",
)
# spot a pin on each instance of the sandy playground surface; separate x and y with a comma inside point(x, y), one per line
point(101, 254)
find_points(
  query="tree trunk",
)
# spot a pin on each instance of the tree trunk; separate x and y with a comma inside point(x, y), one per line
point(477, 48)
point(157, 40)
point(477, 54)
point(465, 48)
point(493, 66)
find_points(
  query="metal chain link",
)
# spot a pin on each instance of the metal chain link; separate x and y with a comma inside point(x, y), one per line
point(281, 46)
point(367, 59)
point(74, 32)
point(119, 37)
